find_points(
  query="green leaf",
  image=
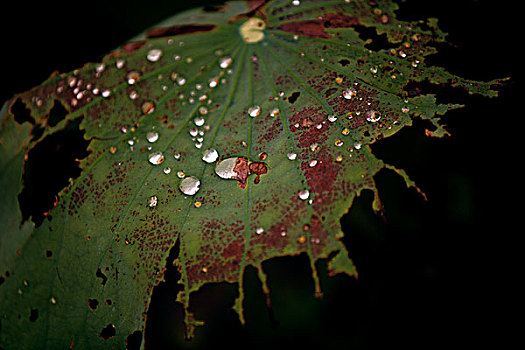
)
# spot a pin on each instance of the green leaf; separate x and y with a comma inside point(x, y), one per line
point(289, 96)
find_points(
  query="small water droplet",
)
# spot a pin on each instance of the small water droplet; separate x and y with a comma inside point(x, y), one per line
point(338, 143)
point(210, 155)
point(274, 112)
point(304, 194)
point(120, 63)
point(405, 109)
point(225, 62)
point(180, 80)
point(213, 82)
point(106, 93)
point(194, 132)
point(154, 55)
point(152, 201)
point(349, 93)
point(156, 158)
point(314, 147)
point(296, 2)
point(203, 110)
point(345, 131)
point(292, 156)
point(332, 118)
point(148, 107)
point(189, 185)
point(312, 163)
point(181, 174)
point(373, 116)
point(259, 230)
point(167, 170)
point(132, 77)
point(254, 111)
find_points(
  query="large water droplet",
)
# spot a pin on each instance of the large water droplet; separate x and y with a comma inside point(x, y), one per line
point(156, 158)
point(154, 55)
point(152, 136)
point(189, 185)
point(224, 168)
point(210, 155)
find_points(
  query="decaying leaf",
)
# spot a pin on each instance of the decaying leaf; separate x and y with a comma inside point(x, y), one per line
point(241, 135)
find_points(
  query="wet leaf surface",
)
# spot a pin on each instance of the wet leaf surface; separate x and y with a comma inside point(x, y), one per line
point(295, 103)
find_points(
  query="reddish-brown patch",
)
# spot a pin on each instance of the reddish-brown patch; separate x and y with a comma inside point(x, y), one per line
point(242, 170)
point(133, 46)
point(258, 168)
point(316, 28)
point(179, 30)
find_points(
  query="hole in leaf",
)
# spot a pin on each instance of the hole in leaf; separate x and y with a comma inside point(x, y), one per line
point(21, 113)
point(108, 332)
point(93, 304)
point(108, 302)
point(49, 254)
point(378, 42)
point(57, 114)
point(101, 275)
point(330, 92)
point(294, 97)
point(344, 62)
point(48, 168)
point(134, 340)
point(34, 315)
point(1, 280)
point(163, 313)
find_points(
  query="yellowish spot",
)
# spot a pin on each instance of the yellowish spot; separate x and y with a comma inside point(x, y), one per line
point(252, 30)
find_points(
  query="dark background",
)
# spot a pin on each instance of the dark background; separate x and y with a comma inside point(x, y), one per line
point(436, 273)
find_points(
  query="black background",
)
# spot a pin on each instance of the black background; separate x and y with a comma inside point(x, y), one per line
point(436, 273)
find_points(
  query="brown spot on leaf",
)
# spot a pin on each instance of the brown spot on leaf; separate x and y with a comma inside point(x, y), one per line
point(133, 46)
point(316, 28)
point(242, 170)
point(179, 30)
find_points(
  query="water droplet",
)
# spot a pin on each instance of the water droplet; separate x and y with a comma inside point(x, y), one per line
point(154, 55)
point(349, 93)
point(345, 131)
point(373, 116)
point(373, 70)
point(181, 174)
point(274, 112)
point(357, 146)
point(292, 156)
point(176, 156)
point(213, 82)
point(53, 300)
point(106, 93)
point(156, 158)
point(332, 118)
point(312, 163)
point(189, 185)
point(224, 168)
point(338, 143)
point(304, 194)
point(225, 62)
point(210, 155)
point(133, 94)
point(254, 111)
point(296, 2)
point(167, 170)
point(259, 230)
point(203, 110)
point(180, 80)
point(405, 109)
point(194, 132)
point(120, 63)
point(152, 201)
point(314, 147)
point(132, 77)
point(148, 107)
point(152, 136)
